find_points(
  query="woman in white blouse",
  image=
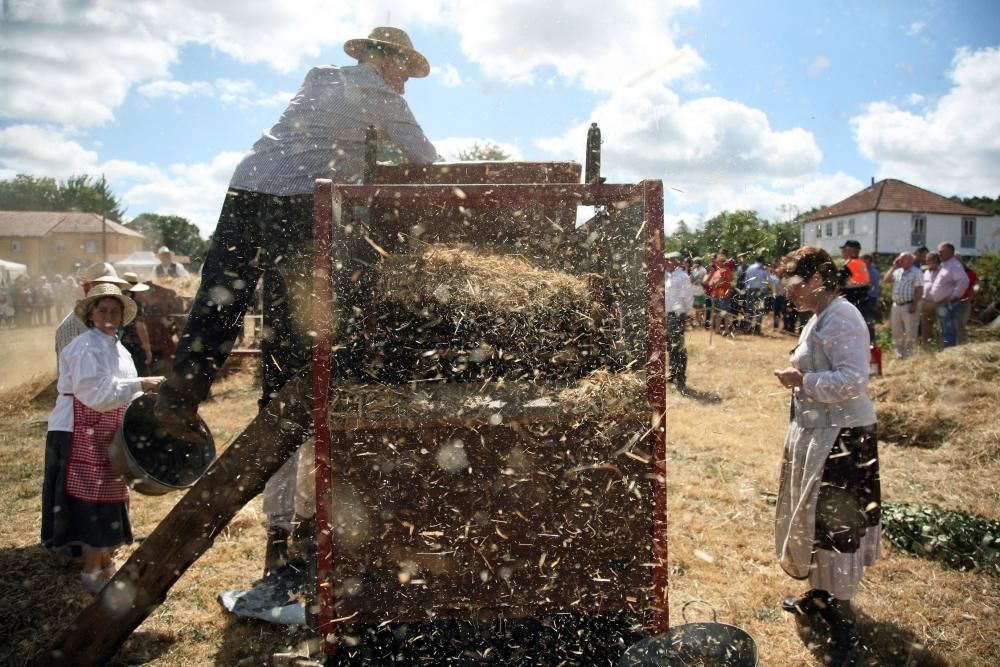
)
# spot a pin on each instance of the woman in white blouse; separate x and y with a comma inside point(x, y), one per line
point(828, 519)
point(97, 381)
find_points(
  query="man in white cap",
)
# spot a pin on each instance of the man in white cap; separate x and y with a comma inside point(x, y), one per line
point(266, 227)
point(168, 268)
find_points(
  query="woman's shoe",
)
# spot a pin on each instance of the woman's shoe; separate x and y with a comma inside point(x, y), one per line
point(94, 581)
point(813, 602)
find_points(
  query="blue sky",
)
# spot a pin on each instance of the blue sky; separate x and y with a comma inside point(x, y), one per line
point(772, 106)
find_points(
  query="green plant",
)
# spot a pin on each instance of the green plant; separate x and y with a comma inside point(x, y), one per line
point(959, 540)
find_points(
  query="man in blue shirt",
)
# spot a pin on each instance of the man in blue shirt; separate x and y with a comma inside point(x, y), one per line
point(758, 283)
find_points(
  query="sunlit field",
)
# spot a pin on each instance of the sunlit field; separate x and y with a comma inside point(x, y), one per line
point(724, 442)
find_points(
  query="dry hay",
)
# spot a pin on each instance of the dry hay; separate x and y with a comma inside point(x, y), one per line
point(450, 313)
point(184, 286)
point(470, 279)
point(951, 396)
point(600, 393)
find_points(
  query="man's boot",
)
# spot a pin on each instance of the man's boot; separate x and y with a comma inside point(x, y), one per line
point(276, 553)
point(844, 639)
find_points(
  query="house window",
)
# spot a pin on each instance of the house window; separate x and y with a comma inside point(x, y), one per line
point(840, 228)
point(918, 230)
point(90, 247)
point(819, 231)
point(60, 245)
point(850, 226)
point(968, 232)
point(15, 245)
point(829, 229)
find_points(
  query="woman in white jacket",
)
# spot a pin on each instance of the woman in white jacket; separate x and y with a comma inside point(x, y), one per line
point(97, 381)
point(828, 520)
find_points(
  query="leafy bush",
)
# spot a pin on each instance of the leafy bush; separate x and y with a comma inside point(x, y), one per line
point(961, 541)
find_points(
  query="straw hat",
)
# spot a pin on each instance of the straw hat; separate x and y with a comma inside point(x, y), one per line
point(133, 280)
point(101, 272)
point(394, 39)
point(99, 292)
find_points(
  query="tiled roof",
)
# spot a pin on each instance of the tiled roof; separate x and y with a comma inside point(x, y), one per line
point(43, 223)
point(893, 195)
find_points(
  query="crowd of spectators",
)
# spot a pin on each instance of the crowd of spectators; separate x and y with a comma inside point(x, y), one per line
point(37, 301)
point(926, 296)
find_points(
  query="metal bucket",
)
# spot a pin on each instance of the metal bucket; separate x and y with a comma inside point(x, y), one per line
point(699, 644)
point(150, 460)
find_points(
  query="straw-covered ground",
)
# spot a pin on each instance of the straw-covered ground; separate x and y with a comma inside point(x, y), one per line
point(940, 447)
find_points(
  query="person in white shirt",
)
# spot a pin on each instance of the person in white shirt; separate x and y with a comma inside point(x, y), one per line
point(97, 380)
point(168, 268)
point(265, 230)
point(698, 275)
point(946, 290)
point(678, 299)
point(907, 291)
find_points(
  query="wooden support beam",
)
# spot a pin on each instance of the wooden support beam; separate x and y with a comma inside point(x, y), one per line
point(190, 528)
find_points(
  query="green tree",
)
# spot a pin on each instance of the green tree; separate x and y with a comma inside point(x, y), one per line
point(488, 151)
point(984, 204)
point(77, 193)
point(173, 231)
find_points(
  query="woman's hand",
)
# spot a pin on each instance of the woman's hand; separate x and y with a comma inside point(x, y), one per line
point(151, 383)
point(790, 377)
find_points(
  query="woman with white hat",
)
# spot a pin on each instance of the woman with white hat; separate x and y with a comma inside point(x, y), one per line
point(97, 380)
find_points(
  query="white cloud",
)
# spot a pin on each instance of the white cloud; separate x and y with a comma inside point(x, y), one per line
point(193, 191)
point(819, 65)
point(43, 151)
point(915, 99)
point(173, 89)
point(519, 40)
point(93, 53)
point(448, 74)
point(649, 133)
point(952, 148)
point(450, 147)
point(915, 28)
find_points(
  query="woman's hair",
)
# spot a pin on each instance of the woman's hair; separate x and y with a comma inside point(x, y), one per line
point(93, 306)
point(807, 261)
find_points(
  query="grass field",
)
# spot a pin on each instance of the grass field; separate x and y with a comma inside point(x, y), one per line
point(724, 443)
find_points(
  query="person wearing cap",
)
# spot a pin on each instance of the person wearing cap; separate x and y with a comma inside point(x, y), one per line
point(95, 274)
point(135, 336)
point(855, 283)
point(265, 227)
point(678, 299)
point(86, 501)
point(168, 268)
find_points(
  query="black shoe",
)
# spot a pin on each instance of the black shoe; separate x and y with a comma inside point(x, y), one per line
point(809, 604)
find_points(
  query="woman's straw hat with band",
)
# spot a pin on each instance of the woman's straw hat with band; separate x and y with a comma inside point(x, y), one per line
point(99, 292)
point(394, 40)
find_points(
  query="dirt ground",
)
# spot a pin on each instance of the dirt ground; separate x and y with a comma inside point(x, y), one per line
point(25, 353)
point(724, 442)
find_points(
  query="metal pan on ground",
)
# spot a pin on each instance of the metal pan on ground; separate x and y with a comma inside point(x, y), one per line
point(700, 644)
point(153, 462)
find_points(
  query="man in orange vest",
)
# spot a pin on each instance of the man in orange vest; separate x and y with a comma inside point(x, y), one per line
point(855, 282)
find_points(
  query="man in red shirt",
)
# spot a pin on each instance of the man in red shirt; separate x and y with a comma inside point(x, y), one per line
point(719, 288)
point(965, 305)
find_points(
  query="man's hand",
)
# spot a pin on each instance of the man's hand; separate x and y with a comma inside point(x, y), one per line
point(790, 377)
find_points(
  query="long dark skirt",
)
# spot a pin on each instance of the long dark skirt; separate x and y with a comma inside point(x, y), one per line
point(850, 495)
point(67, 521)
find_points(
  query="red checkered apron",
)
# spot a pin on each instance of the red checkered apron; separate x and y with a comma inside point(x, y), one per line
point(89, 475)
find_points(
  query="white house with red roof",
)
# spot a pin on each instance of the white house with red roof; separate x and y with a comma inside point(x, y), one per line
point(891, 216)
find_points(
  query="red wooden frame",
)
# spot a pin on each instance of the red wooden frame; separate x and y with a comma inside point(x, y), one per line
point(330, 200)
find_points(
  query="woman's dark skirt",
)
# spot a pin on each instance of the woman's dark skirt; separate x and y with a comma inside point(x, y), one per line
point(67, 521)
point(850, 495)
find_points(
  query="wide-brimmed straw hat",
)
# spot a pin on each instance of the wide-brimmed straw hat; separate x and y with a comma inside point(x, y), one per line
point(133, 280)
point(396, 40)
point(101, 272)
point(99, 292)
